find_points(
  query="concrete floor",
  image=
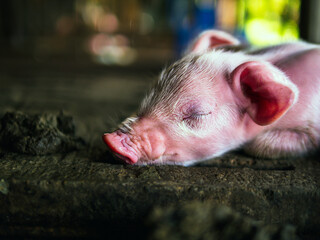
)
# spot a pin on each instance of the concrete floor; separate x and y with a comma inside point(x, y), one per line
point(86, 194)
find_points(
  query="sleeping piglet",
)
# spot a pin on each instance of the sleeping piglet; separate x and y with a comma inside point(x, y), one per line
point(214, 100)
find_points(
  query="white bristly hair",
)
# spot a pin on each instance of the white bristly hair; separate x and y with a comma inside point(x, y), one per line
point(125, 126)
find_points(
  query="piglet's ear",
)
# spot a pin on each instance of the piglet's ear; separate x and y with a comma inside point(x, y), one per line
point(212, 38)
point(264, 91)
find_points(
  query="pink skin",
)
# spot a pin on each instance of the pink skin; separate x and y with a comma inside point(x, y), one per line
point(147, 141)
point(154, 141)
point(267, 101)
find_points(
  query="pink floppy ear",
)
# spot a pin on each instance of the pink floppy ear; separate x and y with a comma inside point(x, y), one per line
point(212, 38)
point(263, 91)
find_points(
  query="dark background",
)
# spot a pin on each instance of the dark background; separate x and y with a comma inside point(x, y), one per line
point(138, 32)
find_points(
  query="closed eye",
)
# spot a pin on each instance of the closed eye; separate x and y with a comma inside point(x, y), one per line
point(194, 120)
point(196, 116)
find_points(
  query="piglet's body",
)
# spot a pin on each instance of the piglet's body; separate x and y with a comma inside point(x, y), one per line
point(215, 100)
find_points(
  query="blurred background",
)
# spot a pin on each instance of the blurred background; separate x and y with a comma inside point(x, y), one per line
point(145, 33)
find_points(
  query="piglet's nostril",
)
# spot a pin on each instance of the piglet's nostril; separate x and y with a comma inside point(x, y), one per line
point(123, 158)
point(115, 142)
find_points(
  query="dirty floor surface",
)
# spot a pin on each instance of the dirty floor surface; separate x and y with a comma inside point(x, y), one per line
point(84, 193)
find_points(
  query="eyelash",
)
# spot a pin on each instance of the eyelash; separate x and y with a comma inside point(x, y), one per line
point(194, 119)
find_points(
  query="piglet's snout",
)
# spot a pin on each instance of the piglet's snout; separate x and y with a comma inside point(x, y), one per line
point(120, 145)
point(148, 145)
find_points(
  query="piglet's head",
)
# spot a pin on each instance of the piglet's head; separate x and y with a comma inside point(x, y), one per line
point(203, 105)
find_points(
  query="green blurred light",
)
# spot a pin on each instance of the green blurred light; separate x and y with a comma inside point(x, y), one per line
point(262, 32)
point(270, 22)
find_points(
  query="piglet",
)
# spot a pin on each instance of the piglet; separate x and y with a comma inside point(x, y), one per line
point(214, 100)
